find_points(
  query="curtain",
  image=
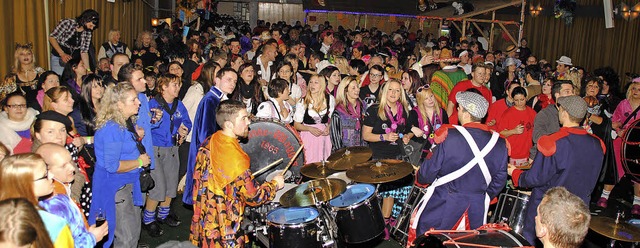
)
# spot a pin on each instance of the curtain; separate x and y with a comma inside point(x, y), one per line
point(25, 21)
point(587, 42)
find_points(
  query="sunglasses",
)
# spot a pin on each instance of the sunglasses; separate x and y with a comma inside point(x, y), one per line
point(424, 87)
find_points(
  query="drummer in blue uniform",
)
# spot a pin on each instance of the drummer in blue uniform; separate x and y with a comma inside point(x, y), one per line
point(467, 169)
point(571, 158)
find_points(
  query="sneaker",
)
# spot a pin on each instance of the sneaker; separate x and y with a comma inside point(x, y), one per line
point(635, 210)
point(171, 221)
point(153, 229)
point(602, 202)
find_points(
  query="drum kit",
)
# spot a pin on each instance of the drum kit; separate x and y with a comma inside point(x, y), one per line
point(338, 205)
point(335, 203)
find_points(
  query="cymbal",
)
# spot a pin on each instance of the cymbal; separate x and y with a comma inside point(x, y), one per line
point(346, 158)
point(307, 194)
point(316, 170)
point(380, 171)
point(622, 231)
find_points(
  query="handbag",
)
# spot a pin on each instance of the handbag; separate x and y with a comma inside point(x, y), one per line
point(146, 180)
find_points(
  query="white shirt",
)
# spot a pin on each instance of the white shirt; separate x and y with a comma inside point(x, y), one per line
point(300, 109)
point(191, 100)
point(265, 72)
point(271, 110)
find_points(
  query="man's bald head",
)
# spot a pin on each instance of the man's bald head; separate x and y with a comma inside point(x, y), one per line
point(59, 161)
point(51, 152)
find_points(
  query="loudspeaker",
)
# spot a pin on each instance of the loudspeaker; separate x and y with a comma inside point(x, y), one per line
point(608, 13)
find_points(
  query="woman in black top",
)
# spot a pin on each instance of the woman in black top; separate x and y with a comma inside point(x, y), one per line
point(383, 127)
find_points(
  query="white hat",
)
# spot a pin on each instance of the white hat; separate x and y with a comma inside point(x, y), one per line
point(564, 60)
point(322, 64)
point(463, 53)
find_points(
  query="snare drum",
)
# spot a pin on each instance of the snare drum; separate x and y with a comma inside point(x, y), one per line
point(294, 227)
point(400, 230)
point(512, 209)
point(471, 238)
point(271, 175)
point(358, 214)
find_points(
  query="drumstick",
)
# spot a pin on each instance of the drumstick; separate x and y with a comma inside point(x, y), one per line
point(293, 159)
point(260, 171)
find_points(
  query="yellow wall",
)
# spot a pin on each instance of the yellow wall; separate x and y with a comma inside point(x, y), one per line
point(25, 21)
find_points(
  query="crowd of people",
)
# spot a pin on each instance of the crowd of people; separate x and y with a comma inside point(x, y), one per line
point(79, 137)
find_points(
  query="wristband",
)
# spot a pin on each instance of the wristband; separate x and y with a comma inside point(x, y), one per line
point(381, 137)
point(140, 162)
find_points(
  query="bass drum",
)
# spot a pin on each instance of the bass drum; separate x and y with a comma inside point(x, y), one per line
point(269, 141)
point(631, 151)
point(471, 238)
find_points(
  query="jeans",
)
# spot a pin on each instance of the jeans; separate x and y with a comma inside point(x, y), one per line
point(55, 64)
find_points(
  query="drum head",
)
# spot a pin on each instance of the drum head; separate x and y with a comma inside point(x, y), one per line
point(271, 175)
point(342, 176)
point(290, 216)
point(631, 151)
point(279, 193)
point(353, 194)
point(268, 142)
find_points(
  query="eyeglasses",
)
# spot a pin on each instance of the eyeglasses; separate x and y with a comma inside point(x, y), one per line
point(376, 75)
point(424, 87)
point(17, 106)
point(46, 175)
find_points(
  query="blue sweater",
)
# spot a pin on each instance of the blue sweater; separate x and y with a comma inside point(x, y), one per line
point(113, 143)
point(161, 135)
point(144, 121)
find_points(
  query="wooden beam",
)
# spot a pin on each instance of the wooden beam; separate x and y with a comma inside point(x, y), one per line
point(508, 34)
point(483, 21)
point(493, 18)
point(456, 26)
point(479, 30)
point(521, 30)
point(464, 28)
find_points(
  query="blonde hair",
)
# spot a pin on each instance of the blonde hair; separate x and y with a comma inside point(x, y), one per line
point(112, 33)
point(420, 97)
point(383, 98)
point(630, 91)
point(342, 63)
point(109, 110)
point(321, 104)
point(574, 77)
point(341, 95)
point(141, 35)
point(16, 176)
point(17, 67)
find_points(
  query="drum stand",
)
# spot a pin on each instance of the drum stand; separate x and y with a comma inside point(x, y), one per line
point(328, 229)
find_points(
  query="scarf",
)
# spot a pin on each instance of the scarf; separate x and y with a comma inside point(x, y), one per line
point(352, 111)
point(9, 128)
point(545, 100)
point(395, 122)
point(247, 91)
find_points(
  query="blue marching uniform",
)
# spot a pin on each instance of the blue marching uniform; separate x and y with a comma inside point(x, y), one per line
point(571, 158)
point(204, 125)
point(459, 186)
